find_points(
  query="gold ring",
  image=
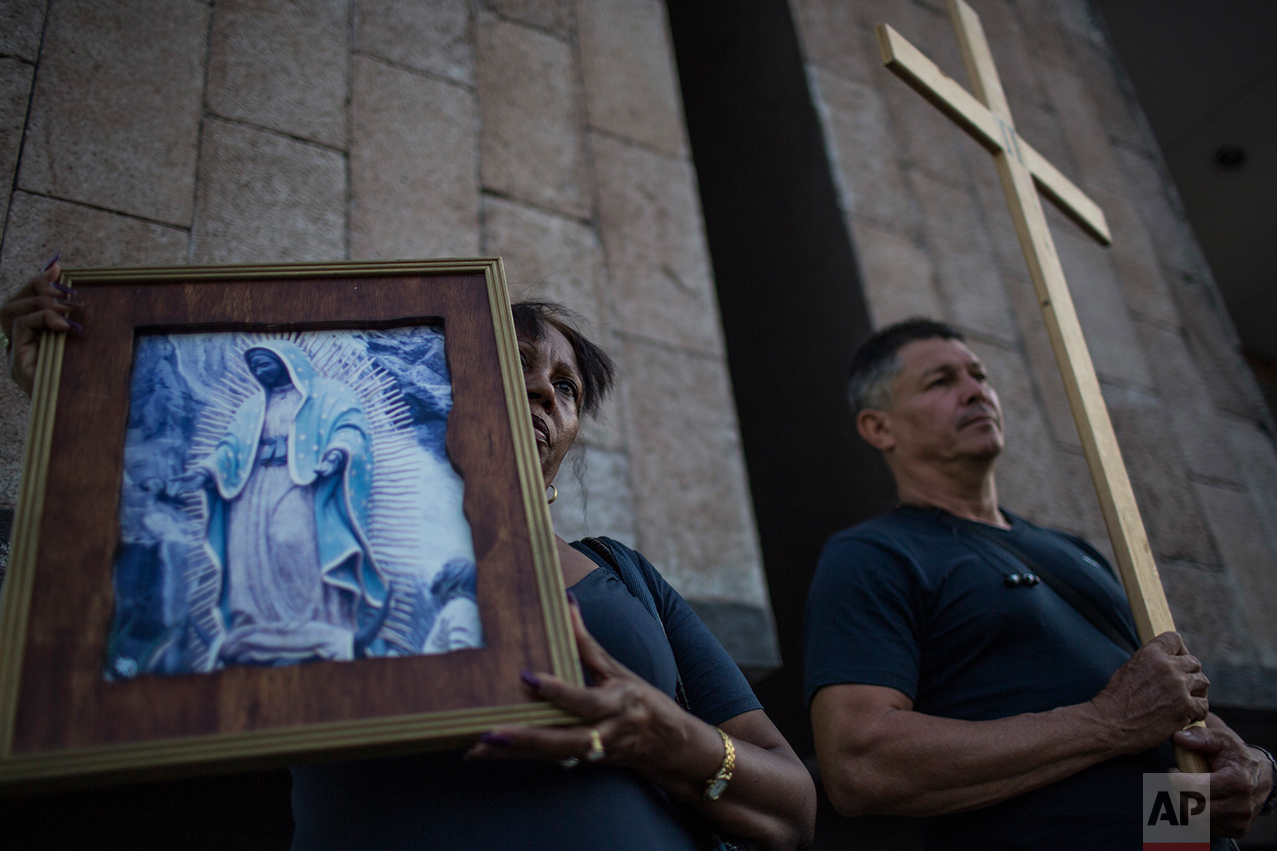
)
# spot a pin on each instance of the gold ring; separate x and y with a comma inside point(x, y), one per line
point(596, 752)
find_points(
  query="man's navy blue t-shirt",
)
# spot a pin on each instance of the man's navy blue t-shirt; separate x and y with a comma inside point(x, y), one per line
point(917, 602)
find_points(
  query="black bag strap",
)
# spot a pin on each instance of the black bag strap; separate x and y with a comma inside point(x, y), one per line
point(626, 568)
point(1084, 607)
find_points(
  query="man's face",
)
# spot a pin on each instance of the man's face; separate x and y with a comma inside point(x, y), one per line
point(943, 408)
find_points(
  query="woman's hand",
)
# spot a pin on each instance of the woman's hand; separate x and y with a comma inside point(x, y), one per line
point(637, 724)
point(771, 798)
point(41, 304)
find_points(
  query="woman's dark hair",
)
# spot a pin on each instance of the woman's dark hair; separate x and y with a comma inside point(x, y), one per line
point(875, 365)
point(598, 372)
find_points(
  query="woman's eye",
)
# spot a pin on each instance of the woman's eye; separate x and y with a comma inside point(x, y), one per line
point(568, 387)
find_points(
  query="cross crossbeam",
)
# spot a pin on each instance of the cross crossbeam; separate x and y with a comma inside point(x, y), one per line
point(1023, 172)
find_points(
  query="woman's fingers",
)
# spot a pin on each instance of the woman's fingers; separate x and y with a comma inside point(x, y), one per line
point(583, 702)
point(552, 743)
point(24, 339)
point(44, 284)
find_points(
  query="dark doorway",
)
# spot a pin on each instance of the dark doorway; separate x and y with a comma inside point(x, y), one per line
point(793, 312)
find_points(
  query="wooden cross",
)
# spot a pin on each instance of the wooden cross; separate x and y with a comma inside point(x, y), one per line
point(987, 118)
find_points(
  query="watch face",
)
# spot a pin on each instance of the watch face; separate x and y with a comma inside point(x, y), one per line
point(716, 789)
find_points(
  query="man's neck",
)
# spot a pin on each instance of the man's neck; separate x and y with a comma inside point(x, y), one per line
point(969, 494)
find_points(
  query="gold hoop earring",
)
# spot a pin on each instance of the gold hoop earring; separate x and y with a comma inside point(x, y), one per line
point(553, 496)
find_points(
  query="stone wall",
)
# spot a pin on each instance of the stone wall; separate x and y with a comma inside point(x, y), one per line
point(546, 131)
point(933, 236)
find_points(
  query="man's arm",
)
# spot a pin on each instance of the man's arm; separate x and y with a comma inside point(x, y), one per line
point(877, 755)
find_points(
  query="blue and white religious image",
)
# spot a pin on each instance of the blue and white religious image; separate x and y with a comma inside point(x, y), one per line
point(288, 498)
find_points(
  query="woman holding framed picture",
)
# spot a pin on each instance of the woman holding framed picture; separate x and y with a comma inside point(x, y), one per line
point(674, 750)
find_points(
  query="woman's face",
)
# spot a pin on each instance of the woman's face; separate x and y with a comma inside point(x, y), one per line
point(553, 379)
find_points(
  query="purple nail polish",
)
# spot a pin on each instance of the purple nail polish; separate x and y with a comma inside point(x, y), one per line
point(498, 739)
point(573, 600)
point(49, 265)
point(61, 287)
point(76, 325)
point(530, 679)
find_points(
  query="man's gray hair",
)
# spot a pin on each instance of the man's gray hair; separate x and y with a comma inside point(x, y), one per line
point(876, 363)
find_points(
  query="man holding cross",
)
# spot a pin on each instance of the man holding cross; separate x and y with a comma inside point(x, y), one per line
point(965, 664)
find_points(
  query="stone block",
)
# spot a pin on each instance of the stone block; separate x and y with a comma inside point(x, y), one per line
point(531, 145)
point(560, 259)
point(115, 115)
point(832, 36)
point(546, 256)
point(594, 496)
point(1209, 613)
point(896, 275)
point(1248, 557)
point(1147, 185)
point(282, 65)
point(413, 166)
point(650, 223)
point(1194, 422)
point(1159, 478)
point(997, 220)
point(1257, 461)
point(1012, 55)
point(1213, 342)
point(1076, 478)
point(267, 198)
point(553, 15)
point(631, 85)
point(1103, 76)
point(21, 22)
point(15, 409)
point(1041, 360)
point(1135, 260)
point(39, 228)
point(1101, 309)
point(15, 94)
point(1047, 40)
point(694, 514)
point(1029, 482)
point(923, 136)
point(870, 182)
point(432, 36)
point(1084, 131)
point(967, 275)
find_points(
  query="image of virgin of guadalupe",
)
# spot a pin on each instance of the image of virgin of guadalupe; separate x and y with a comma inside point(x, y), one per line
point(286, 493)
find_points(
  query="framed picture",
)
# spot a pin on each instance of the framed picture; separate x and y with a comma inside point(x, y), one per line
point(276, 512)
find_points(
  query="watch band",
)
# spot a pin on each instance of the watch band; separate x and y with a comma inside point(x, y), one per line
point(1270, 803)
point(717, 785)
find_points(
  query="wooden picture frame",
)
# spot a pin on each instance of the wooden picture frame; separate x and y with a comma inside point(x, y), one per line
point(64, 722)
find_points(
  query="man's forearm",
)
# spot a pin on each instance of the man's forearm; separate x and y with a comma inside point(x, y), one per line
point(914, 764)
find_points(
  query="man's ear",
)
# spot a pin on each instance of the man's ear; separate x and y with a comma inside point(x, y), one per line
point(875, 427)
